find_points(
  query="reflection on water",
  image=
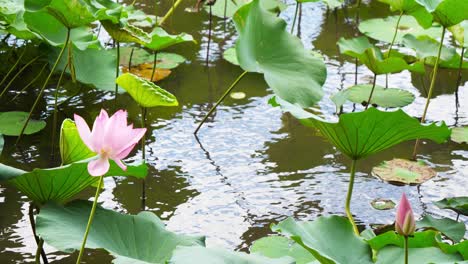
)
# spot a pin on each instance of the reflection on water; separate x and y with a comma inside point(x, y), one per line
point(251, 165)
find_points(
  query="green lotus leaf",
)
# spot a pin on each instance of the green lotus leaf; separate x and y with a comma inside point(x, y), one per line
point(402, 171)
point(383, 29)
point(49, 29)
point(94, 67)
point(146, 93)
point(139, 18)
point(452, 229)
point(427, 47)
point(446, 12)
point(126, 33)
point(231, 7)
point(164, 60)
point(428, 255)
point(371, 56)
point(160, 39)
point(453, 63)
point(108, 10)
point(59, 184)
point(460, 134)
point(189, 255)
point(72, 148)
point(11, 124)
point(292, 72)
point(231, 56)
point(457, 204)
point(140, 238)
point(2, 143)
point(460, 33)
point(382, 204)
point(411, 7)
point(11, 17)
point(278, 247)
point(324, 236)
point(361, 134)
point(383, 97)
point(71, 14)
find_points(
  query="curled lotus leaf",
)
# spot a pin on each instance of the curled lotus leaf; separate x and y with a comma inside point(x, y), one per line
point(457, 204)
point(446, 12)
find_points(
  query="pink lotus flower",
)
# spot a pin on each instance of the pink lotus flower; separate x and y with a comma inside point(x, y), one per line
point(405, 223)
point(110, 138)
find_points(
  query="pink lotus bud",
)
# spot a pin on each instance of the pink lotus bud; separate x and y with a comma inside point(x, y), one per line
point(111, 138)
point(405, 223)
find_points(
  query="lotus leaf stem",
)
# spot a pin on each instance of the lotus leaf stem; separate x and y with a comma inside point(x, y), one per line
point(90, 219)
point(44, 85)
point(55, 119)
point(393, 43)
point(30, 83)
point(130, 60)
point(70, 62)
point(143, 156)
point(169, 13)
point(457, 103)
point(372, 91)
point(220, 100)
point(36, 238)
point(13, 67)
point(406, 249)
point(225, 8)
point(38, 251)
point(349, 195)
point(431, 89)
point(295, 17)
point(117, 69)
point(17, 74)
point(155, 61)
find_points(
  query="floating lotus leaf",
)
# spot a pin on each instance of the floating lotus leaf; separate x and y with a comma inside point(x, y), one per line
point(427, 47)
point(460, 33)
point(457, 204)
point(446, 12)
point(140, 56)
point(61, 183)
point(460, 134)
point(49, 29)
point(424, 247)
point(452, 229)
point(160, 39)
point(189, 255)
point(401, 172)
point(382, 204)
point(231, 56)
point(292, 72)
point(140, 238)
point(231, 6)
point(146, 93)
point(126, 33)
point(145, 71)
point(95, 67)
point(278, 247)
point(371, 56)
point(329, 239)
point(383, 28)
point(237, 95)
point(72, 148)
point(411, 7)
point(361, 134)
point(383, 97)
point(11, 124)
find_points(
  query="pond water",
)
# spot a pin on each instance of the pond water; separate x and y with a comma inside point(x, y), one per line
point(251, 165)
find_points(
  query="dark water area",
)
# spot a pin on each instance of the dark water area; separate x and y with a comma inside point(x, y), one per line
point(251, 165)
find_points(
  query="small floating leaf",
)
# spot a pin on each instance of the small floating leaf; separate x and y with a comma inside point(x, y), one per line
point(401, 171)
point(146, 93)
point(460, 134)
point(140, 238)
point(237, 95)
point(11, 124)
point(382, 204)
point(278, 247)
point(457, 204)
point(451, 228)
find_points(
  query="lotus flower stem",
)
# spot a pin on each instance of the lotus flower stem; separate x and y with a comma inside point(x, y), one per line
point(117, 69)
point(406, 249)
point(13, 67)
point(143, 157)
point(90, 219)
point(155, 61)
point(17, 74)
point(393, 43)
point(169, 13)
point(39, 96)
point(372, 91)
point(457, 103)
point(431, 89)
point(220, 100)
point(30, 83)
point(349, 194)
point(295, 17)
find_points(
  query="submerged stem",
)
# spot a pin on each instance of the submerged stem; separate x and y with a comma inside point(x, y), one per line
point(90, 219)
point(17, 74)
point(431, 89)
point(31, 82)
point(349, 195)
point(295, 17)
point(13, 67)
point(169, 13)
point(44, 85)
point(220, 100)
point(372, 91)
